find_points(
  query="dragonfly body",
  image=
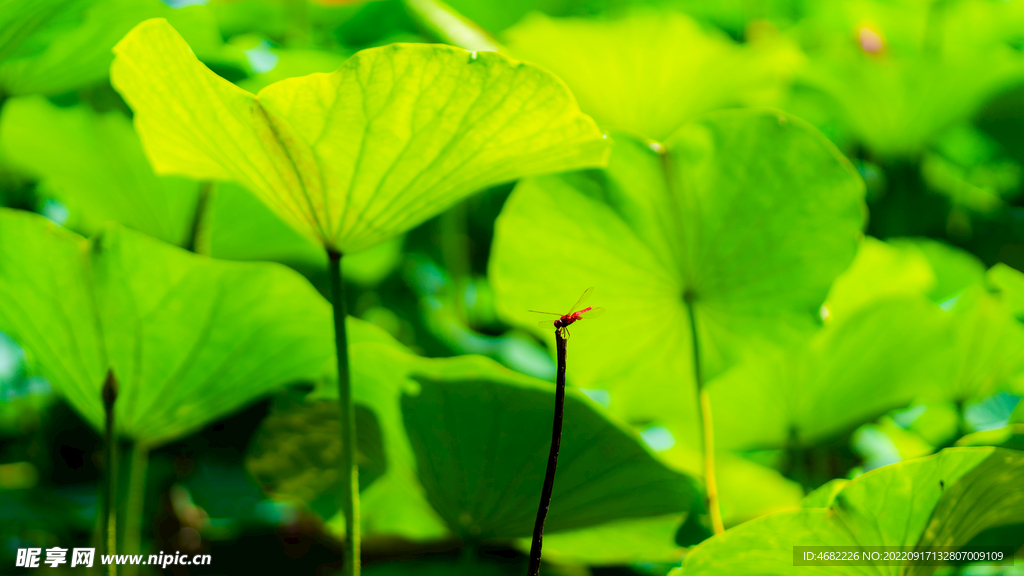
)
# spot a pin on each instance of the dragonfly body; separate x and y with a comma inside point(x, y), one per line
point(566, 319)
point(563, 321)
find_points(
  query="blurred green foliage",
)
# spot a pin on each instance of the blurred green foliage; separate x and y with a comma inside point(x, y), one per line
point(833, 188)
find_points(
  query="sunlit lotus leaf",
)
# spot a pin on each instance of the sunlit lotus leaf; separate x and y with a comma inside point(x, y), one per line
point(394, 136)
point(940, 500)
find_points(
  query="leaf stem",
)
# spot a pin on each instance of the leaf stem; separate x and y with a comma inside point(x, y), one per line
point(349, 468)
point(134, 506)
point(205, 191)
point(707, 429)
point(109, 520)
point(549, 476)
point(444, 23)
point(454, 244)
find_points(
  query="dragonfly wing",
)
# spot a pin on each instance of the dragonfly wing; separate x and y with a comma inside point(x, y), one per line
point(592, 313)
point(583, 298)
point(548, 313)
point(546, 323)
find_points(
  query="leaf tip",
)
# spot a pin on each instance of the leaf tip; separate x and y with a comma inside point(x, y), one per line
point(139, 29)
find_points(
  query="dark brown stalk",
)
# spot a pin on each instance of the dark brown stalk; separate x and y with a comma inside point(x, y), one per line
point(549, 476)
point(109, 521)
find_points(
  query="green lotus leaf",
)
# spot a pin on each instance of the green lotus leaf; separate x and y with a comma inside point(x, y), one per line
point(93, 164)
point(845, 376)
point(902, 267)
point(914, 100)
point(751, 214)
point(940, 500)
point(189, 339)
point(955, 270)
point(1009, 284)
point(53, 46)
point(499, 432)
point(989, 345)
point(902, 89)
point(879, 271)
point(649, 72)
point(393, 137)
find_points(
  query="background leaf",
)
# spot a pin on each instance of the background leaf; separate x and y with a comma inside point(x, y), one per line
point(724, 213)
point(499, 431)
point(93, 164)
point(879, 271)
point(189, 339)
point(628, 75)
point(49, 309)
point(991, 346)
point(899, 85)
point(55, 46)
point(845, 376)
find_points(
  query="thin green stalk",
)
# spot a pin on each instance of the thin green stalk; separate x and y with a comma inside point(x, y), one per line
point(349, 468)
point(202, 202)
point(134, 504)
point(962, 428)
point(110, 477)
point(454, 244)
point(796, 456)
point(707, 428)
point(468, 556)
point(444, 23)
point(300, 33)
point(549, 476)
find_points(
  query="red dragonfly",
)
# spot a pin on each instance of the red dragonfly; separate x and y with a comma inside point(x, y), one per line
point(562, 323)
